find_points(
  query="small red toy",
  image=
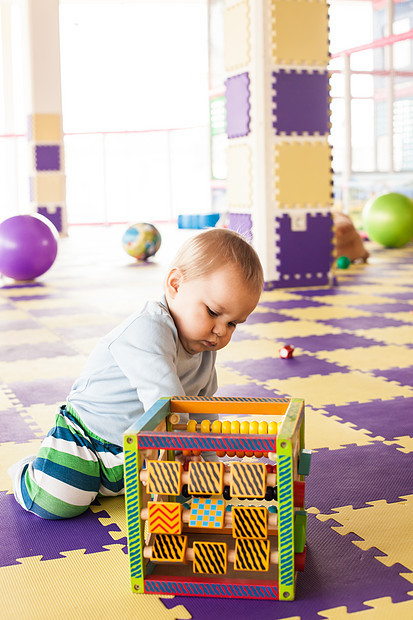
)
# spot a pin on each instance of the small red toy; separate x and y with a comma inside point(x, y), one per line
point(286, 352)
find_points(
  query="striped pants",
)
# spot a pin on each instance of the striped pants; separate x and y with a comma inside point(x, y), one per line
point(72, 467)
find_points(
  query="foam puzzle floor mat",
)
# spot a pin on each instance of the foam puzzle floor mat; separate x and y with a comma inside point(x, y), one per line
point(353, 365)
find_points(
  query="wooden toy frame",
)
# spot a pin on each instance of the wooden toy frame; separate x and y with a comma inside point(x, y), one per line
point(154, 436)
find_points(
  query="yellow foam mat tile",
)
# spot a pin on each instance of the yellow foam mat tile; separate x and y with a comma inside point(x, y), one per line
point(46, 128)
point(405, 444)
point(397, 549)
point(28, 336)
point(380, 609)
point(8, 399)
point(309, 23)
point(62, 320)
point(45, 304)
point(311, 163)
point(239, 183)
point(390, 288)
point(230, 377)
point(61, 366)
point(26, 291)
point(288, 329)
point(390, 335)
point(96, 577)
point(358, 299)
point(13, 315)
point(331, 432)
point(278, 295)
point(237, 46)
point(324, 313)
point(336, 388)
point(84, 345)
point(43, 415)
point(370, 358)
point(249, 349)
point(115, 508)
point(48, 187)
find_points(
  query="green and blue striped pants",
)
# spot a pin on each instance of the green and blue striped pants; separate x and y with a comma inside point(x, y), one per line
point(72, 467)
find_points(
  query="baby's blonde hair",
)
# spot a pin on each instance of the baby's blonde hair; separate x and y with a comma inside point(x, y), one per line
point(210, 250)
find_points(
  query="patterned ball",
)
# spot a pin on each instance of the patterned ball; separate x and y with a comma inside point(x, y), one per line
point(141, 241)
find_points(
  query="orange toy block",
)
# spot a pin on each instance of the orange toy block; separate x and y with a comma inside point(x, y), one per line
point(205, 478)
point(252, 554)
point(164, 518)
point(164, 477)
point(248, 479)
point(249, 522)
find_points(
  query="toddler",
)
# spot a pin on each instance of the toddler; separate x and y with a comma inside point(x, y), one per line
point(167, 348)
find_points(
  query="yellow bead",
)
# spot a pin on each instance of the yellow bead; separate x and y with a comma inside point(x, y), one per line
point(263, 428)
point(244, 427)
point(226, 427)
point(191, 426)
point(235, 427)
point(273, 428)
point(216, 426)
point(206, 426)
point(254, 428)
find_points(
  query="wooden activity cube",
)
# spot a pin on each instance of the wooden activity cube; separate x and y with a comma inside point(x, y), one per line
point(230, 527)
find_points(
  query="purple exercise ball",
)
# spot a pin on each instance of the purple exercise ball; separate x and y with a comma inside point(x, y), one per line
point(28, 246)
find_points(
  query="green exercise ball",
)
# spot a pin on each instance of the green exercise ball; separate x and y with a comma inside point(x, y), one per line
point(388, 219)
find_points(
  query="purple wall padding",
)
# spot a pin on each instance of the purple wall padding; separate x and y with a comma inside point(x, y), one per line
point(241, 223)
point(304, 254)
point(238, 105)
point(301, 102)
point(47, 157)
point(55, 218)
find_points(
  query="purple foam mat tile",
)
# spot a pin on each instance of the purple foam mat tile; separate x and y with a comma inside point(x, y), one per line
point(26, 535)
point(47, 157)
point(42, 349)
point(363, 322)
point(38, 297)
point(267, 317)
point(42, 391)
point(14, 428)
point(383, 308)
point(237, 98)
point(252, 390)
point(6, 307)
point(408, 295)
point(304, 260)
point(277, 368)
point(337, 574)
point(63, 311)
point(239, 335)
point(301, 102)
point(404, 376)
point(241, 223)
point(56, 217)
point(321, 292)
point(18, 285)
point(356, 475)
point(384, 418)
point(17, 325)
point(291, 303)
point(331, 342)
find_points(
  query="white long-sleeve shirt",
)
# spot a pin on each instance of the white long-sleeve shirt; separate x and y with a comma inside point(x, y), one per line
point(138, 362)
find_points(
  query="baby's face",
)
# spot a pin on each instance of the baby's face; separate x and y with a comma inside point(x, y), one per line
point(206, 311)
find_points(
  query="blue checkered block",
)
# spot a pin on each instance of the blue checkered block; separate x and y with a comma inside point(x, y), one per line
point(207, 513)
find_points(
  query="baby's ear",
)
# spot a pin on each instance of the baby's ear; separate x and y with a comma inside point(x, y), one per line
point(173, 281)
